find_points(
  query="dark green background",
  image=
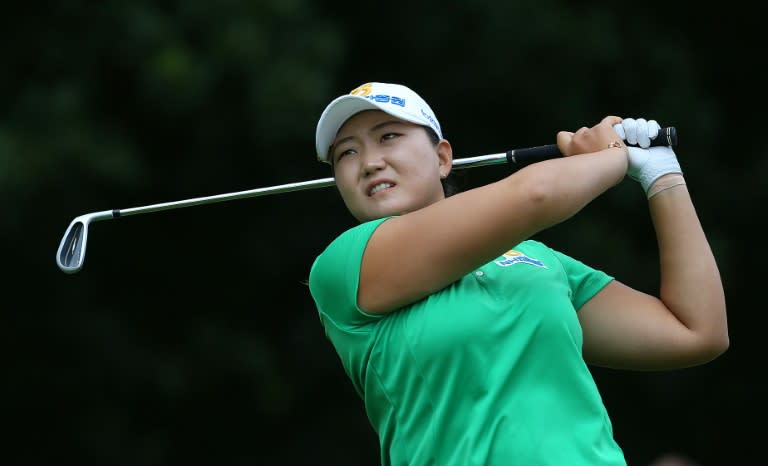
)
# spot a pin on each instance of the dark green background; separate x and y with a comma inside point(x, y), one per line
point(189, 337)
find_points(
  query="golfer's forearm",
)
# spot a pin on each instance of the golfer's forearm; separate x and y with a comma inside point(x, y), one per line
point(690, 281)
point(562, 187)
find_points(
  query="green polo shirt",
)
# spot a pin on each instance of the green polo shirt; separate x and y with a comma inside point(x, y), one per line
point(487, 371)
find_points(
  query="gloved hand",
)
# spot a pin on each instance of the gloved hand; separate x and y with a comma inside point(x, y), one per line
point(646, 164)
point(638, 131)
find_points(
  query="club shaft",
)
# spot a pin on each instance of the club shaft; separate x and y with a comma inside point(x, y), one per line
point(516, 158)
point(481, 160)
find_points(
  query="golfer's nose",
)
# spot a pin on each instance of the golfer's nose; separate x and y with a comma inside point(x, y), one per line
point(373, 161)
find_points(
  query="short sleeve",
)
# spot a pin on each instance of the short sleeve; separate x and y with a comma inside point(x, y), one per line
point(335, 276)
point(584, 281)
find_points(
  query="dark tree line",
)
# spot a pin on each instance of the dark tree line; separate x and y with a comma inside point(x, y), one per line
point(189, 336)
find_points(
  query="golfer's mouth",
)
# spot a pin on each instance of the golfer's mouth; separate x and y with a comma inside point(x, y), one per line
point(378, 187)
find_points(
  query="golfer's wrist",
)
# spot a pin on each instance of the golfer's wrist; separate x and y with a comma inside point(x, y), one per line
point(618, 148)
point(665, 182)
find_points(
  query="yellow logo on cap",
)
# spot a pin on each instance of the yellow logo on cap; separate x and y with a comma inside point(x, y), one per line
point(364, 90)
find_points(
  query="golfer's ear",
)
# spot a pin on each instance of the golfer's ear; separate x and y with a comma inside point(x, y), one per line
point(445, 155)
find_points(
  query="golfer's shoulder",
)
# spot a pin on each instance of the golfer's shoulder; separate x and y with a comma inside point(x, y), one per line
point(351, 241)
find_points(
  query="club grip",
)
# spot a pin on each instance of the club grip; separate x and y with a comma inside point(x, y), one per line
point(522, 157)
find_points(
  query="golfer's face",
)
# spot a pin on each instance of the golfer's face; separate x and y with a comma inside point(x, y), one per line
point(385, 166)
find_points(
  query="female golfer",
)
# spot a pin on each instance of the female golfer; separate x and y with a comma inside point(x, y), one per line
point(468, 341)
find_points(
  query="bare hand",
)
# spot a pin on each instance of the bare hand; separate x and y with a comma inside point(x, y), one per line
point(587, 140)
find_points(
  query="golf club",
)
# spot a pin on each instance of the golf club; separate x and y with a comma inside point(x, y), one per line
point(71, 253)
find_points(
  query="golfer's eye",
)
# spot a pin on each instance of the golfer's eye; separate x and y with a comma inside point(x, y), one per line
point(389, 136)
point(343, 153)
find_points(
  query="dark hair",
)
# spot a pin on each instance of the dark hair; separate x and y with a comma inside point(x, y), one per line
point(450, 186)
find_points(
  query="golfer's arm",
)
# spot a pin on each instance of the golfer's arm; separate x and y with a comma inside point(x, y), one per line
point(691, 287)
point(414, 255)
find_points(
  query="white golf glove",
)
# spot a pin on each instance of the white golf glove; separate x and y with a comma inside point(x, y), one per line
point(646, 164)
point(638, 132)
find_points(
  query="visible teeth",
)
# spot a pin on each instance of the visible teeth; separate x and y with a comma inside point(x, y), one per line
point(379, 187)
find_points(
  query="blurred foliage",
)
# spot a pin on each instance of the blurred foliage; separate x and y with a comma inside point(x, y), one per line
point(189, 337)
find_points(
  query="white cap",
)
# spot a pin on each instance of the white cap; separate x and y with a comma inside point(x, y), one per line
point(394, 99)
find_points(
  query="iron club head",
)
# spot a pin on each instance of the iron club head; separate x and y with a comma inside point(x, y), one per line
point(71, 252)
